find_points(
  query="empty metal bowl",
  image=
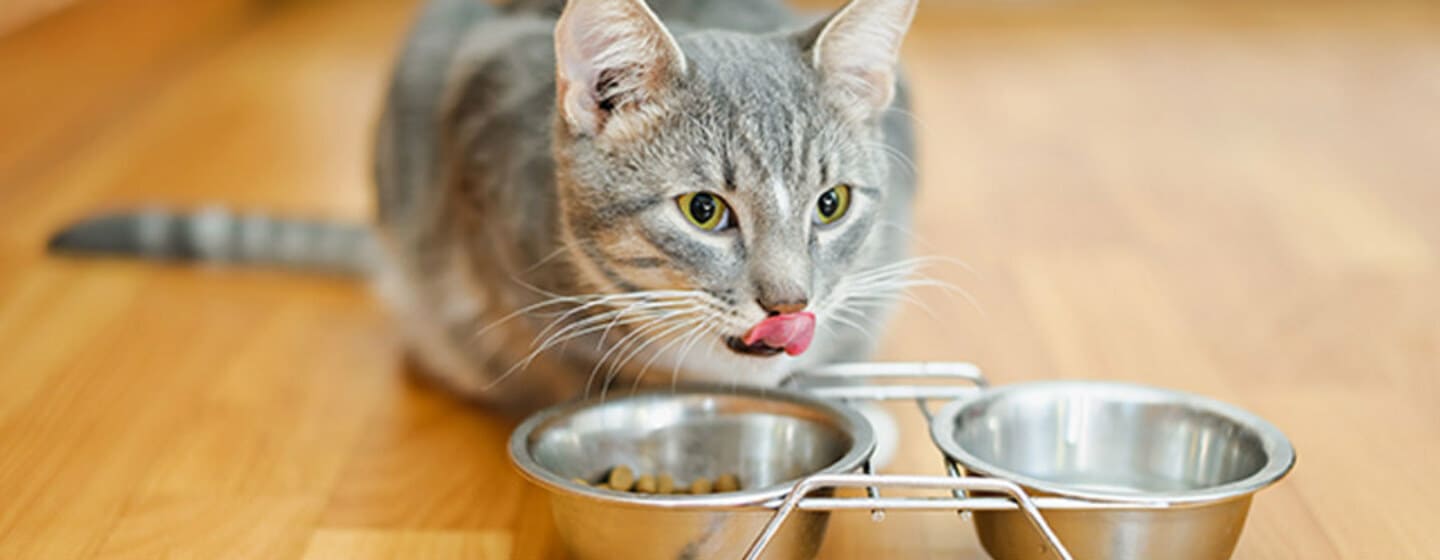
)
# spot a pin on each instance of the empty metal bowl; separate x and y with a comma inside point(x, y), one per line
point(1118, 443)
point(769, 438)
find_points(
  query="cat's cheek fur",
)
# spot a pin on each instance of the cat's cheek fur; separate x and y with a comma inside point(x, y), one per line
point(710, 361)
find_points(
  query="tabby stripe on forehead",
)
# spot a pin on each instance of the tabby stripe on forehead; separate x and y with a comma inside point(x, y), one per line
point(702, 174)
point(807, 158)
point(795, 147)
point(756, 154)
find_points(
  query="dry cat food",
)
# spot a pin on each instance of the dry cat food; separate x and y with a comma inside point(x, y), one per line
point(621, 478)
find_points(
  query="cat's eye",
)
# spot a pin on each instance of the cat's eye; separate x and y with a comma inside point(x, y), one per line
point(832, 204)
point(705, 210)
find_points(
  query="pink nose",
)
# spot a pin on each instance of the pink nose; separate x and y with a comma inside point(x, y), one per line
point(790, 331)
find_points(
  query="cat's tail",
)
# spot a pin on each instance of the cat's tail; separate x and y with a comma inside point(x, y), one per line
point(219, 236)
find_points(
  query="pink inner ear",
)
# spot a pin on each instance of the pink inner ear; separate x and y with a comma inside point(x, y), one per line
point(791, 331)
point(858, 51)
point(618, 38)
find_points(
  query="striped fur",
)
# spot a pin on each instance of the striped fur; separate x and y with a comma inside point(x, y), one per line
point(219, 236)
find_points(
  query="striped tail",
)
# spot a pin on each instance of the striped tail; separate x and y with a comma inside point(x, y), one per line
point(218, 236)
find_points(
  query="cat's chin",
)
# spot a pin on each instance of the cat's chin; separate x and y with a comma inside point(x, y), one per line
point(719, 364)
point(742, 370)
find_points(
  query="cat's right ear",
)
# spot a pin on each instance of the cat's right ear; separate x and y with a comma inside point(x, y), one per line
point(614, 62)
point(856, 50)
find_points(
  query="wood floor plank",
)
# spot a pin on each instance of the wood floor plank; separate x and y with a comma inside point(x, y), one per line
point(65, 475)
point(428, 461)
point(401, 545)
point(77, 307)
point(307, 404)
point(212, 527)
point(66, 79)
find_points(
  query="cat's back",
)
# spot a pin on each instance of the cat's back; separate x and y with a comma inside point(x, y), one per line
point(465, 68)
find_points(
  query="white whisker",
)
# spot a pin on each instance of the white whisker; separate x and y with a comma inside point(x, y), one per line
point(624, 341)
point(839, 316)
point(619, 365)
point(694, 325)
point(705, 330)
point(552, 341)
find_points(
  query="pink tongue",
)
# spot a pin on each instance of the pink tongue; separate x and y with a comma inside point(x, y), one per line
point(791, 331)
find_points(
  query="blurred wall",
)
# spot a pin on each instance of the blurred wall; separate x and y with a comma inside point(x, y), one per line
point(15, 14)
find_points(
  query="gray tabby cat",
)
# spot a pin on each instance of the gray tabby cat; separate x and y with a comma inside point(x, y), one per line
point(590, 203)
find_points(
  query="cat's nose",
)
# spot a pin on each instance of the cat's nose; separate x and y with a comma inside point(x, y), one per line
point(773, 308)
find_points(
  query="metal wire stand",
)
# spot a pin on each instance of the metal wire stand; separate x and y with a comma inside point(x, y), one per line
point(922, 383)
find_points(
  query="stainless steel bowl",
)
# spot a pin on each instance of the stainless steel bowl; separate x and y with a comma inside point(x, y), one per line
point(1120, 443)
point(769, 438)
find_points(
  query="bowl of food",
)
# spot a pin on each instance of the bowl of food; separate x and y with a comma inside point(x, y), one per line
point(689, 473)
point(1199, 460)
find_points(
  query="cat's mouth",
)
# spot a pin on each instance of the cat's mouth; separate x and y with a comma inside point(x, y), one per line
point(790, 333)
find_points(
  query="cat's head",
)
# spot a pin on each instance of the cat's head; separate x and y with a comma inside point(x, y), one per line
point(727, 181)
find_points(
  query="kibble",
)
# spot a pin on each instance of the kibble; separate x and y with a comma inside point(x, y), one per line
point(645, 484)
point(622, 478)
point(727, 483)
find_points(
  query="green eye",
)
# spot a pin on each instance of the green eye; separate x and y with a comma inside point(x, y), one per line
point(832, 204)
point(705, 210)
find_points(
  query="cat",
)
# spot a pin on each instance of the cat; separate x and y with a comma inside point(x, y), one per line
point(584, 197)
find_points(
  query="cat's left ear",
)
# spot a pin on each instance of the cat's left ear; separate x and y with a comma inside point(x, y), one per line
point(615, 61)
point(857, 49)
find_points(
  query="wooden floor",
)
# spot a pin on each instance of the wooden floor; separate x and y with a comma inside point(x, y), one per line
point(1239, 199)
